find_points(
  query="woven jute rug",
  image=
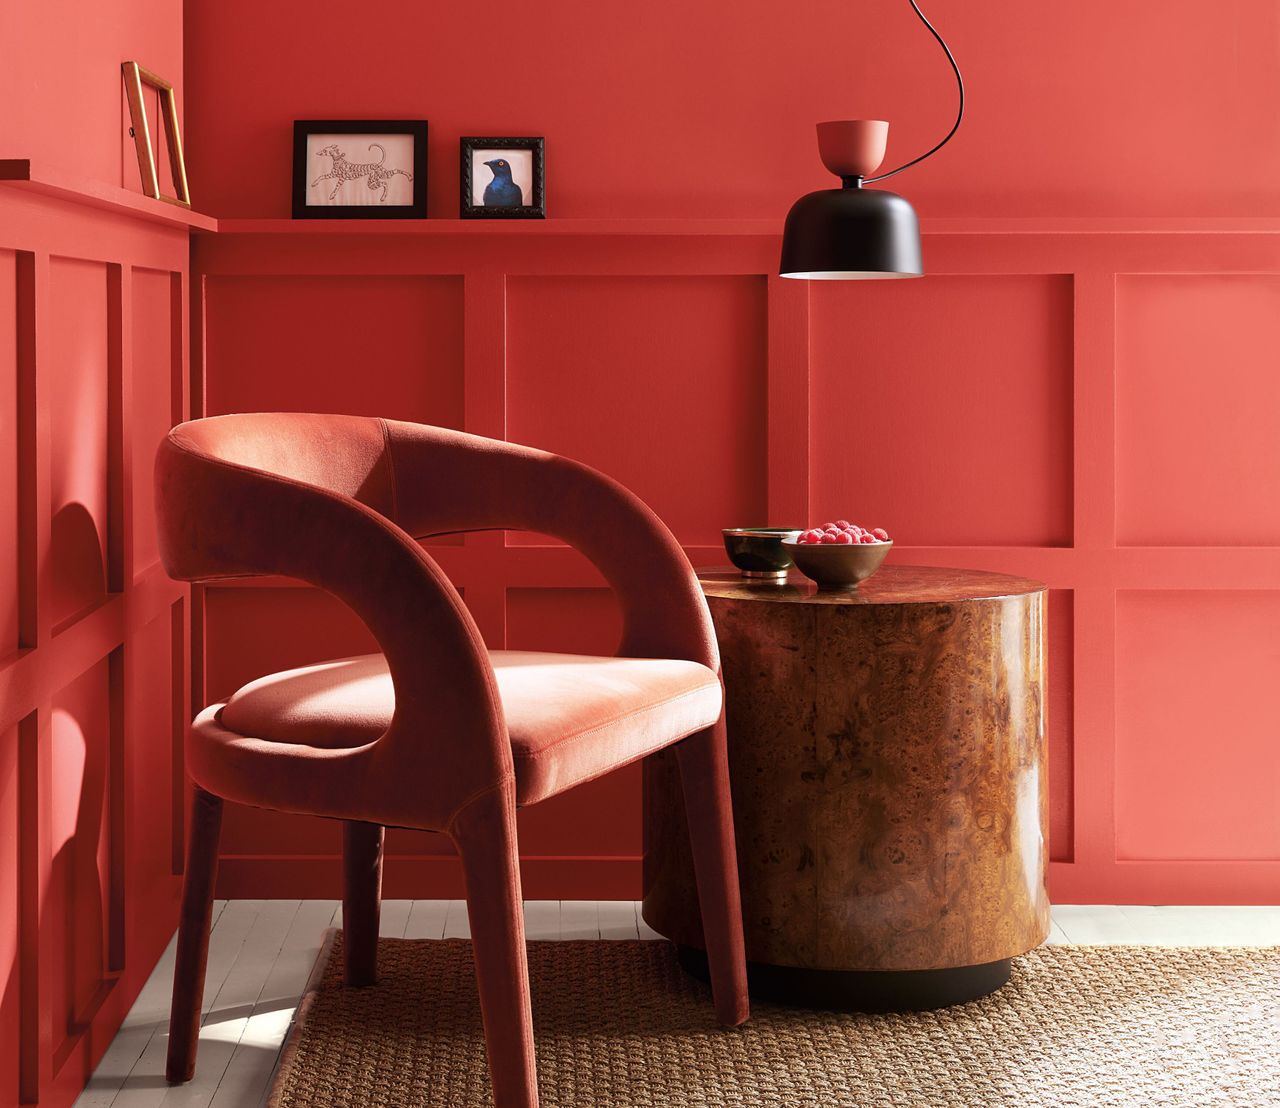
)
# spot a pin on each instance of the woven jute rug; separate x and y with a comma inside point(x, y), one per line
point(620, 1024)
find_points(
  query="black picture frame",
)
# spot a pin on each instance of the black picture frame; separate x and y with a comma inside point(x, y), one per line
point(304, 128)
point(536, 210)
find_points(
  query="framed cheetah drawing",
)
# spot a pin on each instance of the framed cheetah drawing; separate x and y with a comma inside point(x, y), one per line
point(360, 169)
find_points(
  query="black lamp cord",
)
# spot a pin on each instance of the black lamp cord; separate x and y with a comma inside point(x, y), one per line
point(959, 114)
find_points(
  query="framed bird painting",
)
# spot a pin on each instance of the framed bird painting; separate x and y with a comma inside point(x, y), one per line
point(502, 178)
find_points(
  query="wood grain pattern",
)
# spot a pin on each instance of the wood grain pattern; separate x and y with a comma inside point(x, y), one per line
point(887, 755)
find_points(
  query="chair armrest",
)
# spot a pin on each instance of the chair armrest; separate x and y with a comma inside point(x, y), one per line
point(447, 481)
point(220, 519)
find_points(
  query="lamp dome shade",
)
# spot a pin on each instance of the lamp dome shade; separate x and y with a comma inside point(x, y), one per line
point(851, 233)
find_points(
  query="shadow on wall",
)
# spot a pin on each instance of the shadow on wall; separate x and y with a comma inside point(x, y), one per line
point(9, 949)
point(74, 900)
point(76, 569)
point(80, 870)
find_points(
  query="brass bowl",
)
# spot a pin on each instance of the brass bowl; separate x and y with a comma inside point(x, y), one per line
point(835, 565)
point(758, 552)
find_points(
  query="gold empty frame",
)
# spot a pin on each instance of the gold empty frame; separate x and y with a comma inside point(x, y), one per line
point(135, 77)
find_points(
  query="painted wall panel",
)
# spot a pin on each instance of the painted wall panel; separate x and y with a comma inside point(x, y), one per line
point(10, 963)
point(76, 574)
point(9, 474)
point(255, 631)
point(1198, 410)
point(148, 722)
point(993, 395)
point(386, 346)
point(86, 784)
point(660, 382)
point(1197, 756)
point(79, 891)
point(1061, 725)
point(152, 391)
point(572, 621)
point(952, 425)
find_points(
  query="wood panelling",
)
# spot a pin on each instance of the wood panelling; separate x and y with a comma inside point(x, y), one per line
point(974, 414)
point(575, 621)
point(88, 705)
point(1197, 761)
point(598, 820)
point(1197, 410)
point(151, 668)
point(93, 342)
point(9, 480)
point(1060, 667)
point(157, 313)
point(80, 887)
point(389, 346)
point(76, 576)
point(979, 369)
point(249, 632)
point(595, 365)
point(10, 964)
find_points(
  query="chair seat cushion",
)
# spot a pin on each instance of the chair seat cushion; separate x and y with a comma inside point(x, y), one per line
point(571, 717)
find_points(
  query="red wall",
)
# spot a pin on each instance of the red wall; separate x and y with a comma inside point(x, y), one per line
point(1086, 394)
point(93, 658)
point(1093, 108)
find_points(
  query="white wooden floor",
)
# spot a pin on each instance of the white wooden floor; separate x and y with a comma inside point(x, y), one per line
point(261, 953)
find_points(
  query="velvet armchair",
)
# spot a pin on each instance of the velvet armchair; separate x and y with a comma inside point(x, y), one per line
point(436, 732)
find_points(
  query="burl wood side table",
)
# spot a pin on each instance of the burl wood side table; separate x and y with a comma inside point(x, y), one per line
point(887, 756)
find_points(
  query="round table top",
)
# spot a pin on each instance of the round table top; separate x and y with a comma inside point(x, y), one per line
point(891, 584)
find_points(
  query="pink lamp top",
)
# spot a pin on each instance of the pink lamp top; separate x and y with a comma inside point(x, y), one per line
point(852, 147)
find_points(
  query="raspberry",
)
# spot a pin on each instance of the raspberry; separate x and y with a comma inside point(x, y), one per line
point(812, 535)
point(845, 539)
point(829, 537)
point(844, 524)
point(881, 534)
point(867, 538)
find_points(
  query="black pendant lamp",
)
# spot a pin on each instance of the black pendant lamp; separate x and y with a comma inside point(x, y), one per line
point(853, 232)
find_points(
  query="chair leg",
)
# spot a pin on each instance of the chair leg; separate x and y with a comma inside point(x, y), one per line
point(193, 935)
point(485, 835)
point(361, 900)
point(704, 774)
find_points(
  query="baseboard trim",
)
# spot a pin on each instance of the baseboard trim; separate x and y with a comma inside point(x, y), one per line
point(425, 877)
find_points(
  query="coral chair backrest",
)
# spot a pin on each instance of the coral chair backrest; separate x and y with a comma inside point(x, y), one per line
point(338, 500)
point(345, 455)
point(425, 480)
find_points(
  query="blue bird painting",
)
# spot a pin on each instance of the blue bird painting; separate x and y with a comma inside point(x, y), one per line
point(502, 191)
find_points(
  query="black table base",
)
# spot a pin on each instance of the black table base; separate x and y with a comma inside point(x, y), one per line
point(861, 990)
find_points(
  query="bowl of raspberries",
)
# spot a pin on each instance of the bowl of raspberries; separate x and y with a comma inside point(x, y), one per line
point(838, 555)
